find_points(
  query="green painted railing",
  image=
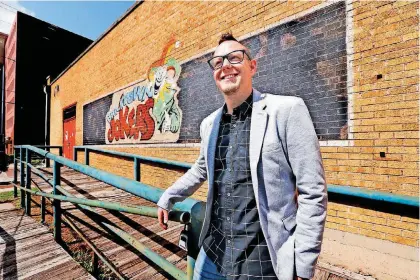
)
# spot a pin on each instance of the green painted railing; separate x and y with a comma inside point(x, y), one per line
point(190, 210)
point(137, 159)
point(182, 213)
point(332, 189)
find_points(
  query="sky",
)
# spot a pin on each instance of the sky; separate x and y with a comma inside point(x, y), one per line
point(87, 18)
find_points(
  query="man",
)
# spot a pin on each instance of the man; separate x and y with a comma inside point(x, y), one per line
point(257, 151)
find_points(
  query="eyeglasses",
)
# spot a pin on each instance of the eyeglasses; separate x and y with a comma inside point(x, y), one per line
point(234, 57)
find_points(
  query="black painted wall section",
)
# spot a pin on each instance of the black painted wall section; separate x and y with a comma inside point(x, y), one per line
point(304, 58)
point(42, 50)
point(94, 121)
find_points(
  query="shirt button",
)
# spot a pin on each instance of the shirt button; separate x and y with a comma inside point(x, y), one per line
point(230, 169)
point(228, 194)
point(229, 241)
point(230, 147)
point(234, 125)
point(228, 218)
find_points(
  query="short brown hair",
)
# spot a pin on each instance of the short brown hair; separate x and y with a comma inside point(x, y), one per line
point(229, 37)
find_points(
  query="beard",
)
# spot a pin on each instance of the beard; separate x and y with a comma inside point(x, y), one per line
point(230, 88)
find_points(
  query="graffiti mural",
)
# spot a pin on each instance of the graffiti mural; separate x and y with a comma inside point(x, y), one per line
point(148, 110)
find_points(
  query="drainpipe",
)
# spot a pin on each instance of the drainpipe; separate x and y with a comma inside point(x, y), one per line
point(47, 91)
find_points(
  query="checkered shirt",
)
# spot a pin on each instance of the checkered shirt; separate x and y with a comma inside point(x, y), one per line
point(235, 242)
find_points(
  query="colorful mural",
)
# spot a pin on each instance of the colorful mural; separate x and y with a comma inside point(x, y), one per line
point(149, 110)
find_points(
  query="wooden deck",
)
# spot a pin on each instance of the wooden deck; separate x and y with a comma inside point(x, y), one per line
point(28, 250)
point(127, 260)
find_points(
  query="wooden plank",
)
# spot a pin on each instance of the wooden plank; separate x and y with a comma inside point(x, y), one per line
point(28, 250)
point(320, 274)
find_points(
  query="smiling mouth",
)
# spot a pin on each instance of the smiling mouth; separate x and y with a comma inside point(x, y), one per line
point(229, 76)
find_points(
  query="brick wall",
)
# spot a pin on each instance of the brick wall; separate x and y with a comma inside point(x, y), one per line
point(382, 91)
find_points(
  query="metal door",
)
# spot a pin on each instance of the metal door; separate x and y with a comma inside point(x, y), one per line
point(69, 137)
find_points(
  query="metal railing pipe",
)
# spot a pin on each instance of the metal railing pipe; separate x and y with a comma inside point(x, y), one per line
point(37, 172)
point(87, 161)
point(28, 183)
point(56, 202)
point(137, 188)
point(172, 163)
point(14, 173)
point(22, 179)
point(374, 195)
point(46, 146)
point(177, 216)
point(47, 160)
point(137, 169)
point(150, 254)
point(153, 256)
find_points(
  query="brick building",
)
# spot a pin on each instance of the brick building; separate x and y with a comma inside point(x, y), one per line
point(354, 63)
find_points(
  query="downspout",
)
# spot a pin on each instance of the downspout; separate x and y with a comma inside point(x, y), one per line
point(47, 91)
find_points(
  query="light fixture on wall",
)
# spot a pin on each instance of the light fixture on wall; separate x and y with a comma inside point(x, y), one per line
point(56, 89)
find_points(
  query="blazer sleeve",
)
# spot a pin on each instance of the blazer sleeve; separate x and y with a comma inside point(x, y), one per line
point(187, 184)
point(306, 162)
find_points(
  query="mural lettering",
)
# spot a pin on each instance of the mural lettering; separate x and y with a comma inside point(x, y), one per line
point(133, 123)
point(148, 110)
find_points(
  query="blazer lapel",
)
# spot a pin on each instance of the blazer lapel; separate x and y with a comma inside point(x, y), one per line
point(211, 148)
point(258, 127)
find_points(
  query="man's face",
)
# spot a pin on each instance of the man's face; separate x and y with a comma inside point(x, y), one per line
point(234, 78)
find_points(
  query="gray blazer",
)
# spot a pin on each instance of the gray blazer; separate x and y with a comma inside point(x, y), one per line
point(284, 155)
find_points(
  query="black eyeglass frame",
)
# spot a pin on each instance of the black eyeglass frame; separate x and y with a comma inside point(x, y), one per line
point(226, 57)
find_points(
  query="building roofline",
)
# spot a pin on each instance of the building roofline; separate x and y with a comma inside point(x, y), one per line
point(20, 14)
point(137, 3)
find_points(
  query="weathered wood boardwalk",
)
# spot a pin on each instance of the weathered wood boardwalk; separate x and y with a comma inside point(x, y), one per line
point(127, 260)
point(28, 250)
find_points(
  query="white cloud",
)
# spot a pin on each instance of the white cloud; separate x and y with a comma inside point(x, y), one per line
point(8, 11)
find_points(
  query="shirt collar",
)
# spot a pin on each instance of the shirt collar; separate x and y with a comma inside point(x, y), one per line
point(244, 109)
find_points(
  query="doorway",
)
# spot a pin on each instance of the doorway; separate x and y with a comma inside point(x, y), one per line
point(69, 131)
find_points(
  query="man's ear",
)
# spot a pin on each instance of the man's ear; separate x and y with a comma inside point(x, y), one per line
point(253, 64)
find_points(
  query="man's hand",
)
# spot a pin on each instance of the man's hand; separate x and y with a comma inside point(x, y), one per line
point(299, 278)
point(163, 218)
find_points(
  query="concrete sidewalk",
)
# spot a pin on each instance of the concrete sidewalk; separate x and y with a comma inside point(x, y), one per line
point(6, 177)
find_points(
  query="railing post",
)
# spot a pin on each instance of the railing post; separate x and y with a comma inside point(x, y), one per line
point(95, 265)
point(56, 202)
point(14, 173)
point(60, 151)
point(86, 156)
point(74, 153)
point(137, 169)
point(47, 160)
point(28, 183)
point(197, 218)
point(22, 179)
point(42, 209)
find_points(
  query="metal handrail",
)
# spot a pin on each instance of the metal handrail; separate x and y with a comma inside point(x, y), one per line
point(137, 188)
point(171, 163)
point(144, 211)
point(336, 189)
point(375, 195)
point(134, 187)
